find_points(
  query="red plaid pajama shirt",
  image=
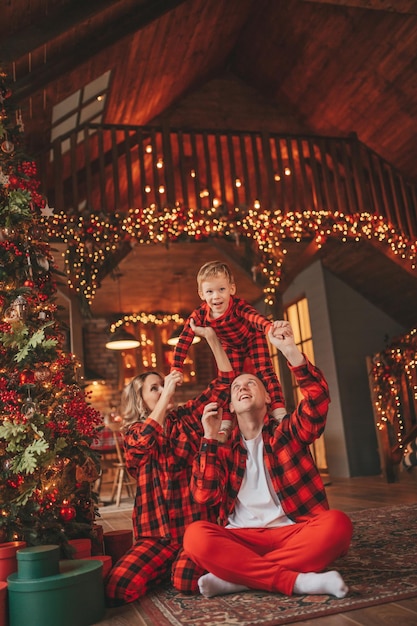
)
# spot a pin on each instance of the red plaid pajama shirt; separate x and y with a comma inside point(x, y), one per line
point(242, 332)
point(160, 458)
point(218, 470)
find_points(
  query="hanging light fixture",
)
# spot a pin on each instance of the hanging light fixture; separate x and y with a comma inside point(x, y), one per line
point(173, 340)
point(121, 339)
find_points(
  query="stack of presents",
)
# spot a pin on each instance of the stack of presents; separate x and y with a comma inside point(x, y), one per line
point(40, 588)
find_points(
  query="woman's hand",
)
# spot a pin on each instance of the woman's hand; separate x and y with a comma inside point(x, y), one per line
point(171, 381)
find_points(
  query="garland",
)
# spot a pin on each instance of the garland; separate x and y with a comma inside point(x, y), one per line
point(90, 238)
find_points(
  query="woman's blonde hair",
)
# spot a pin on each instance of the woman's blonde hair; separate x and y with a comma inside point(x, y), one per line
point(132, 406)
point(211, 270)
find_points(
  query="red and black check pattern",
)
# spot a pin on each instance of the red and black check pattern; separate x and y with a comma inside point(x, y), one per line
point(161, 460)
point(242, 332)
point(218, 470)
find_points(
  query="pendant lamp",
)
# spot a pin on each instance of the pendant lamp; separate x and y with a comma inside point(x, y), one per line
point(173, 340)
point(121, 339)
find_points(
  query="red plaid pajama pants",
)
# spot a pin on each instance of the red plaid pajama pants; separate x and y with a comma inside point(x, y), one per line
point(148, 562)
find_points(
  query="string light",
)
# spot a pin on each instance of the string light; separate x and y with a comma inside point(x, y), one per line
point(392, 368)
point(89, 240)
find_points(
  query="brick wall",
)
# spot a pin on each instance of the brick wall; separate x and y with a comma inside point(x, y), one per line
point(107, 364)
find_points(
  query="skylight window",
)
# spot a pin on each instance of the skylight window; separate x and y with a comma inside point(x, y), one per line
point(85, 105)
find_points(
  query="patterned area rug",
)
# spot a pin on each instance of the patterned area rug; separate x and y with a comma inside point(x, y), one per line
point(380, 568)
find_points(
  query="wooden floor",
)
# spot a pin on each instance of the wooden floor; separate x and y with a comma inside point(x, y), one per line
point(346, 494)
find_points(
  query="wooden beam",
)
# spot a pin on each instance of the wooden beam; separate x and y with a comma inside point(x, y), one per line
point(303, 261)
point(136, 19)
point(390, 6)
point(396, 258)
point(50, 27)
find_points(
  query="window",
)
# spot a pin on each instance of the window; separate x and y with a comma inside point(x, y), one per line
point(85, 105)
point(299, 317)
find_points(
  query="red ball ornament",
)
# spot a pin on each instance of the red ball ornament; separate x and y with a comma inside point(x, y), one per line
point(67, 513)
point(27, 377)
point(29, 283)
point(42, 374)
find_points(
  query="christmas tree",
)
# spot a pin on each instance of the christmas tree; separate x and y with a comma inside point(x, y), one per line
point(47, 467)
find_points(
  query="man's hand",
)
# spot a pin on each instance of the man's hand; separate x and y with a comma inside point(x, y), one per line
point(202, 331)
point(212, 420)
point(281, 331)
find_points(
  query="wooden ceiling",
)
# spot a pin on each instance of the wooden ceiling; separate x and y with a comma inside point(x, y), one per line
point(329, 67)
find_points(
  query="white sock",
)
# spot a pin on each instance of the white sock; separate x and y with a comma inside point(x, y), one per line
point(329, 583)
point(210, 586)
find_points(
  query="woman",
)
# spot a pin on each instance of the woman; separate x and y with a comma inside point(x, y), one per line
point(160, 444)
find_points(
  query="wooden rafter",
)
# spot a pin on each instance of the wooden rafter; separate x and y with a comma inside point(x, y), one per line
point(135, 19)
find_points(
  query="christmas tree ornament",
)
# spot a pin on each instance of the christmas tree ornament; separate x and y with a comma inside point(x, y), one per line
point(28, 408)
point(67, 512)
point(7, 146)
point(27, 377)
point(42, 262)
point(4, 179)
point(19, 307)
point(42, 374)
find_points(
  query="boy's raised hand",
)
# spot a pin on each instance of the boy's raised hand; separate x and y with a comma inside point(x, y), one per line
point(282, 337)
point(281, 331)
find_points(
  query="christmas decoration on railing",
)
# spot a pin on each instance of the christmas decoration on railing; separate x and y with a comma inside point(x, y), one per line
point(90, 238)
point(157, 319)
point(394, 370)
point(46, 422)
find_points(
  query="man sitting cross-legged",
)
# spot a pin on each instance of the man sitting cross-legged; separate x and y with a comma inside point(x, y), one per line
point(277, 532)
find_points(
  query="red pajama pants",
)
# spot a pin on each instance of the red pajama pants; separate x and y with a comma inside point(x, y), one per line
point(269, 558)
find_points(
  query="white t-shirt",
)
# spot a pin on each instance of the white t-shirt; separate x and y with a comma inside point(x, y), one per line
point(257, 504)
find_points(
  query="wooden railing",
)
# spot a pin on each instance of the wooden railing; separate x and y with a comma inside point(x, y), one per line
point(108, 168)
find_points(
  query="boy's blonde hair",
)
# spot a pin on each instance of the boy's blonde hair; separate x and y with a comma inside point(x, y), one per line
point(211, 270)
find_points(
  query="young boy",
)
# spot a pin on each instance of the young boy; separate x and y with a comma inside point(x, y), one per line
point(241, 329)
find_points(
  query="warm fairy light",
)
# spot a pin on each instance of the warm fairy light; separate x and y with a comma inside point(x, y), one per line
point(148, 149)
point(238, 183)
point(160, 163)
point(91, 239)
point(148, 189)
point(287, 171)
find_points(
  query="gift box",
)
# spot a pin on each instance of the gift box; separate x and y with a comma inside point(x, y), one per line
point(82, 548)
point(3, 603)
point(106, 560)
point(73, 597)
point(37, 562)
point(8, 560)
point(117, 543)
